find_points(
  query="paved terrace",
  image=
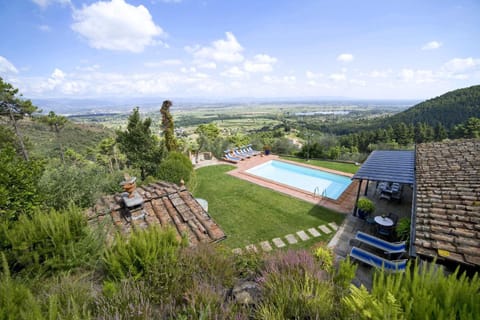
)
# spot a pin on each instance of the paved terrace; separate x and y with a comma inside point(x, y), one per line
point(341, 243)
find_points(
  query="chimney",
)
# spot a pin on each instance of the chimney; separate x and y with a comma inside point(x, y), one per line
point(132, 200)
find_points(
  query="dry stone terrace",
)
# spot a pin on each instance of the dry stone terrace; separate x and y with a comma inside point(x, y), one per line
point(164, 204)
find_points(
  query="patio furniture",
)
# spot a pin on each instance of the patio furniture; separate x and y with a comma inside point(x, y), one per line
point(238, 153)
point(384, 221)
point(231, 158)
point(378, 262)
point(254, 152)
point(386, 246)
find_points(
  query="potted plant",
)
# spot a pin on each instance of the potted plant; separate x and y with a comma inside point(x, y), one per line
point(266, 150)
point(365, 207)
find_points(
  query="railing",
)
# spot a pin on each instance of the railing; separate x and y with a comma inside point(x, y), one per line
point(316, 192)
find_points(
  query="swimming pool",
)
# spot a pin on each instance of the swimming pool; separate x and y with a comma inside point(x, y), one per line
point(322, 183)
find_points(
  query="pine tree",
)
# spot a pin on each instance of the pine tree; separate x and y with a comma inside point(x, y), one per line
point(15, 108)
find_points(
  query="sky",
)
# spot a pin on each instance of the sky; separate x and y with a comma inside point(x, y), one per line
point(224, 49)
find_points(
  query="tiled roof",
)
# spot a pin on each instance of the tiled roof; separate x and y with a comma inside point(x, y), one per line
point(165, 204)
point(448, 200)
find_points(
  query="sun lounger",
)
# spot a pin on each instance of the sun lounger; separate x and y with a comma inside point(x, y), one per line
point(231, 158)
point(253, 152)
point(378, 262)
point(240, 154)
point(387, 247)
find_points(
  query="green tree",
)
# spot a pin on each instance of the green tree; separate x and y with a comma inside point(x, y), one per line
point(141, 147)
point(15, 108)
point(207, 133)
point(168, 126)
point(19, 190)
point(176, 167)
point(56, 124)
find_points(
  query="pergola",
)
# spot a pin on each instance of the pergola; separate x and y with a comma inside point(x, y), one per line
point(389, 166)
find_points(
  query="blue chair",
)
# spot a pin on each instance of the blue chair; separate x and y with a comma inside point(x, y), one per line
point(385, 246)
point(378, 262)
point(231, 158)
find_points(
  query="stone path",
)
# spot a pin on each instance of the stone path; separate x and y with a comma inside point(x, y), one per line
point(289, 239)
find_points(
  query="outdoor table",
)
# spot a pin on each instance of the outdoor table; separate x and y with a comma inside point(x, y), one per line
point(383, 221)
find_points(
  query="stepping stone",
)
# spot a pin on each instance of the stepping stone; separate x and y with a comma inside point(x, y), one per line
point(278, 243)
point(266, 246)
point(314, 232)
point(325, 229)
point(237, 251)
point(251, 248)
point(333, 225)
point(291, 238)
point(302, 235)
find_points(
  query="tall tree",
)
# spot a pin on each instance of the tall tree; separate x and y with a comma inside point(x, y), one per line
point(56, 123)
point(168, 126)
point(15, 108)
point(207, 133)
point(141, 147)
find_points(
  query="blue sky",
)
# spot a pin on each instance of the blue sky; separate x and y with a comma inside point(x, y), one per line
point(240, 48)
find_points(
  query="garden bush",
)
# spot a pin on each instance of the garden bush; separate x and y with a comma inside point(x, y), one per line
point(51, 241)
point(422, 292)
point(176, 167)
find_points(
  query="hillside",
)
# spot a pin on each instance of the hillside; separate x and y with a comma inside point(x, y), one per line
point(78, 137)
point(449, 109)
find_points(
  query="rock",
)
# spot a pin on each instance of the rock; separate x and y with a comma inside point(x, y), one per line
point(247, 292)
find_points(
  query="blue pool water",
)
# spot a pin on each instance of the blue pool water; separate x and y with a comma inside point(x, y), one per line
point(310, 180)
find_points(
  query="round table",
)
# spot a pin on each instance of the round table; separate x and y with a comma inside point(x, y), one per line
point(386, 222)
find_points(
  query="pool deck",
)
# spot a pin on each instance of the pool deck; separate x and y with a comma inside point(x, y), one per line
point(345, 203)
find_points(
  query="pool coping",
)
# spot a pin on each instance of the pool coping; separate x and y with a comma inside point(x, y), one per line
point(344, 204)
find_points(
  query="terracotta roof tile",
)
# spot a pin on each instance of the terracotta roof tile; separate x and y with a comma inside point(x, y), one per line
point(448, 200)
point(164, 204)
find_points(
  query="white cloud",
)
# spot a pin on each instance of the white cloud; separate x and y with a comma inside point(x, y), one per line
point(233, 72)
point(418, 76)
point(345, 57)
point(260, 63)
point(361, 83)
point(379, 73)
point(280, 80)
point(163, 63)
point(312, 75)
point(207, 65)
point(459, 65)
point(44, 28)
point(46, 3)
point(116, 25)
point(432, 45)
point(6, 66)
point(338, 77)
point(228, 50)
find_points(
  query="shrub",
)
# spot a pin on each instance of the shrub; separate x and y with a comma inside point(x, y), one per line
point(144, 252)
point(403, 229)
point(81, 186)
point(397, 296)
point(294, 287)
point(16, 300)
point(366, 205)
point(52, 241)
point(325, 258)
point(176, 167)
point(127, 299)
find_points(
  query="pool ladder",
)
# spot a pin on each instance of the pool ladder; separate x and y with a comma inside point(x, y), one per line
point(316, 192)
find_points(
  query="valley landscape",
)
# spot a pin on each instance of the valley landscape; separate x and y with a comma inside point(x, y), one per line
point(239, 160)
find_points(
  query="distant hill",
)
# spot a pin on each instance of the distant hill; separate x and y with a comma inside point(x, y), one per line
point(79, 137)
point(449, 109)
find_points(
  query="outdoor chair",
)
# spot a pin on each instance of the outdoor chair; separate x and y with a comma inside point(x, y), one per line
point(378, 262)
point(238, 153)
point(231, 158)
point(254, 152)
point(386, 232)
point(394, 218)
point(386, 246)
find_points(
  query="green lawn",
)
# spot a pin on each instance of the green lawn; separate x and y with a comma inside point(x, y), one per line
point(248, 213)
point(339, 166)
